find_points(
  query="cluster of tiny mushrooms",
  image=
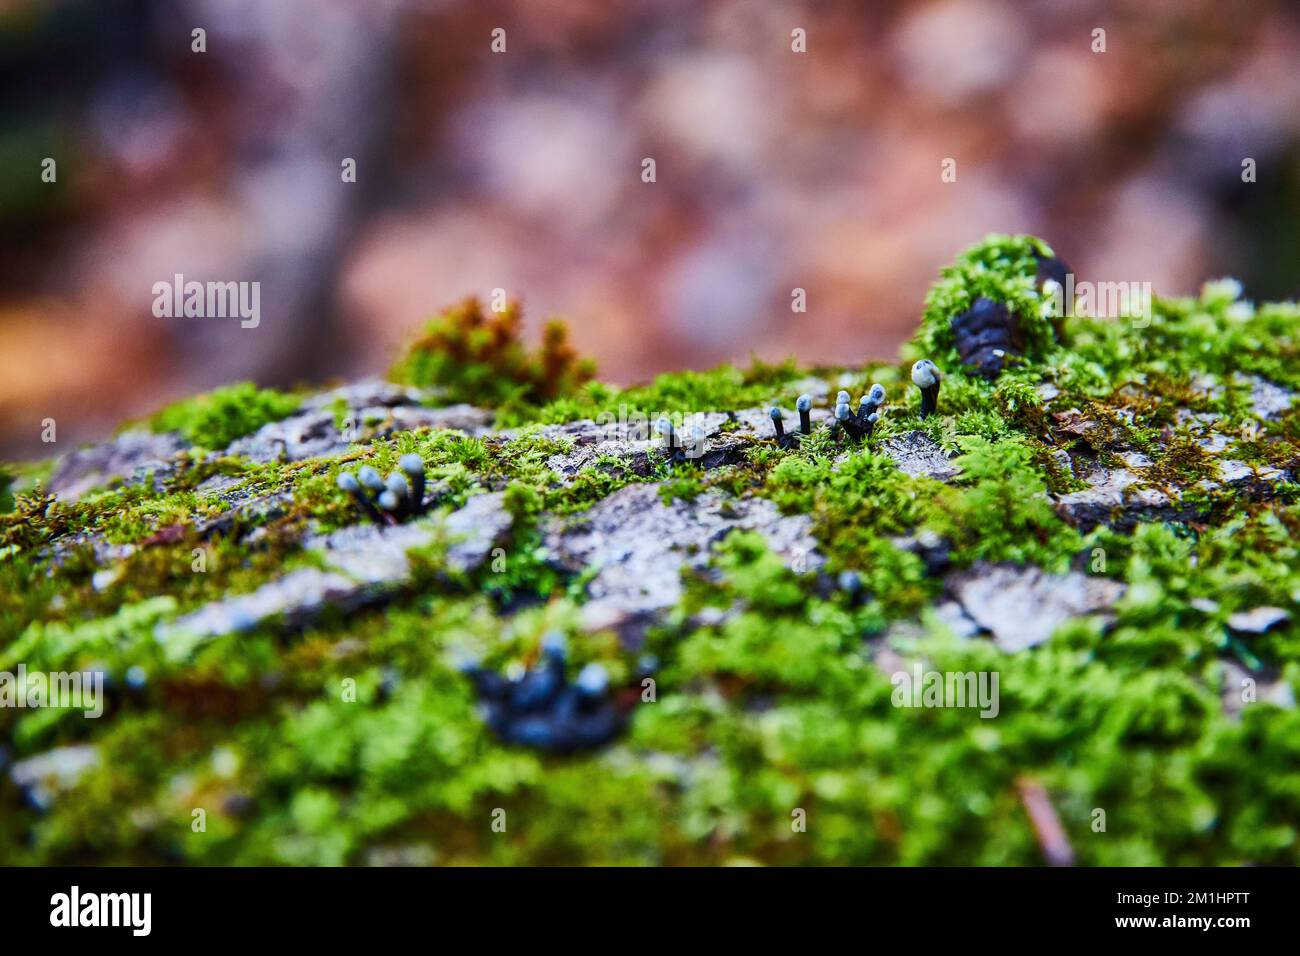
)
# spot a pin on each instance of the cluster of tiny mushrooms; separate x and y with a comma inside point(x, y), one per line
point(388, 501)
point(856, 425)
point(539, 707)
point(860, 424)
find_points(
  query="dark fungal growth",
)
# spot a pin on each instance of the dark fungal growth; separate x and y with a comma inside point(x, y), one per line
point(858, 426)
point(803, 406)
point(1051, 268)
point(545, 711)
point(985, 334)
point(387, 501)
point(1052, 274)
point(778, 424)
point(988, 332)
point(677, 448)
point(855, 425)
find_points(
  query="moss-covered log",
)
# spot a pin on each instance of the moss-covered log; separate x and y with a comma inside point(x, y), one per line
point(1102, 513)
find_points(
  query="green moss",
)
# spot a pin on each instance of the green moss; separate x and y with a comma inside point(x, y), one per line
point(1001, 268)
point(216, 419)
point(773, 691)
point(1000, 510)
point(725, 388)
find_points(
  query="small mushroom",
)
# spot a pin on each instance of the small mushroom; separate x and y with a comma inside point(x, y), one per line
point(412, 466)
point(665, 428)
point(698, 442)
point(926, 377)
point(779, 424)
point(397, 486)
point(348, 482)
point(872, 401)
point(804, 406)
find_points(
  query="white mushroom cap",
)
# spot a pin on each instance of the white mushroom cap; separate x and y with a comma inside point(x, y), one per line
point(592, 679)
point(804, 402)
point(925, 374)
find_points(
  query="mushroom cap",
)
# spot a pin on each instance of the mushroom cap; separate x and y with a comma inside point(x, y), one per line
point(370, 478)
point(348, 482)
point(804, 402)
point(775, 413)
point(396, 483)
point(592, 679)
point(925, 374)
point(842, 410)
point(412, 464)
point(664, 426)
point(389, 501)
point(877, 394)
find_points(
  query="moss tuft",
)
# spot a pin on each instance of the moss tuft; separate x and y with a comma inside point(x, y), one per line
point(478, 357)
point(1001, 268)
point(217, 418)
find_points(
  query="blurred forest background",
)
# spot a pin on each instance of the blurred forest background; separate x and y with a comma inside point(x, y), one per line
point(522, 170)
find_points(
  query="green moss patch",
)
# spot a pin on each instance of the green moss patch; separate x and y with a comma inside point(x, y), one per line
point(355, 738)
point(217, 418)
